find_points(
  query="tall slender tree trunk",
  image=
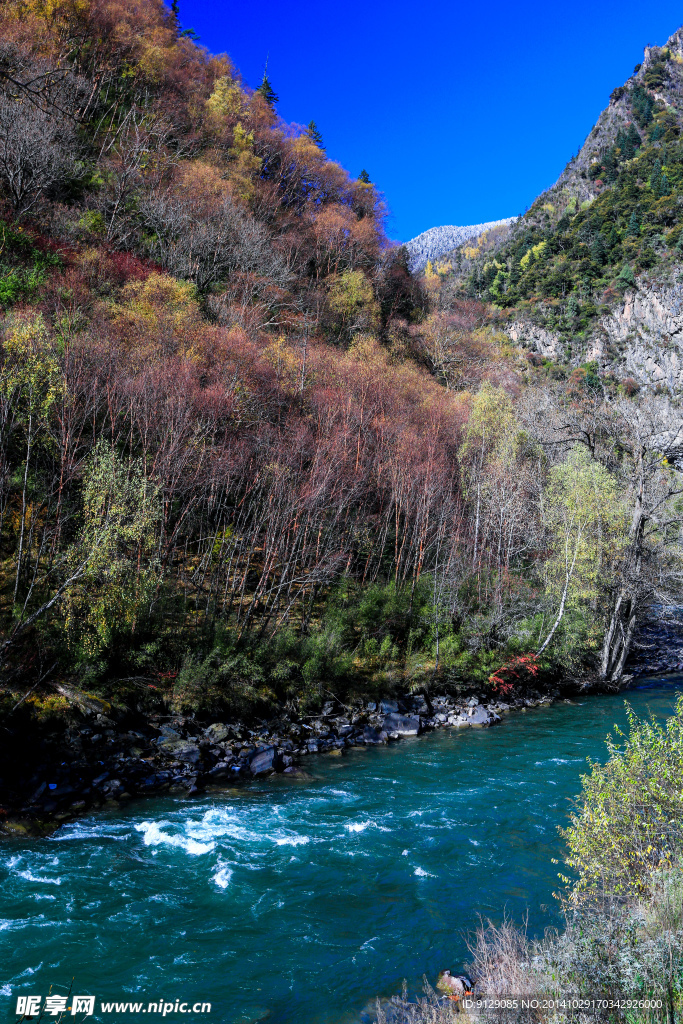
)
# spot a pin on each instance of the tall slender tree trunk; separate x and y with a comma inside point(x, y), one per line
point(23, 506)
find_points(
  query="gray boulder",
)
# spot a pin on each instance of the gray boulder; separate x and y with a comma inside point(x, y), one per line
point(217, 732)
point(401, 725)
point(480, 718)
point(180, 749)
point(388, 707)
point(264, 760)
point(373, 736)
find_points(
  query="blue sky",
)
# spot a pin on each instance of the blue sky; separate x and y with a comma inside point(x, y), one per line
point(461, 112)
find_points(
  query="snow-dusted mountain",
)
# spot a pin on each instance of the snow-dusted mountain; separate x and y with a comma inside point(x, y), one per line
point(436, 242)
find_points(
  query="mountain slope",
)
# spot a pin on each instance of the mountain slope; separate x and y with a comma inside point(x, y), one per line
point(611, 225)
point(437, 242)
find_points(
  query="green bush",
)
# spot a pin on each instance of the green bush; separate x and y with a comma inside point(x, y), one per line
point(628, 824)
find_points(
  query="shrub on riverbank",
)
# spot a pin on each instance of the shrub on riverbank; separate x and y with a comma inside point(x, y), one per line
point(624, 902)
point(623, 905)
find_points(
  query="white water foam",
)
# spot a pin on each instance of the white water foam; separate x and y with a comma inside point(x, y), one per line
point(292, 840)
point(30, 877)
point(357, 826)
point(153, 836)
point(223, 876)
point(421, 873)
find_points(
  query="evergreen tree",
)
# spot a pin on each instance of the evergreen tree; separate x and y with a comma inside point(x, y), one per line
point(655, 178)
point(314, 134)
point(626, 277)
point(572, 308)
point(634, 224)
point(599, 249)
point(266, 90)
point(663, 189)
point(628, 142)
point(364, 177)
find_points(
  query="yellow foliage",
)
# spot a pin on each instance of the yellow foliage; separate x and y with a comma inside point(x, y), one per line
point(152, 62)
point(227, 99)
point(159, 312)
point(471, 252)
point(366, 349)
point(46, 707)
point(436, 270)
point(285, 360)
point(30, 366)
point(533, 253)
point(306, 150)
point(352, 300)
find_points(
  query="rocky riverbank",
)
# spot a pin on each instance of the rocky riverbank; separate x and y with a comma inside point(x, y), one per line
point(105, 757)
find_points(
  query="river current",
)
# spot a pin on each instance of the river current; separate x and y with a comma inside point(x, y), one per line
point(296, 902)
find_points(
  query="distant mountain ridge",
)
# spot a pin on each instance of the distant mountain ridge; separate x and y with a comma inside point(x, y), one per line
point(436, 242)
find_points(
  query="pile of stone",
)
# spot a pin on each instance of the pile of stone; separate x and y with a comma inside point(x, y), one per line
point(228, 749)
point(110, 762)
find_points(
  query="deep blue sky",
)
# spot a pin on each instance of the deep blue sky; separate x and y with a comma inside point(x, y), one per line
point(461, 112)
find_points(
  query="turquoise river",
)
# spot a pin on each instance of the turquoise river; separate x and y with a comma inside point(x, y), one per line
point(297, 902)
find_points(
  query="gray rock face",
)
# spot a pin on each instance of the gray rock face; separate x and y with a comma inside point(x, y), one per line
point(642, 337)
point(396, 725)
point(436, 242)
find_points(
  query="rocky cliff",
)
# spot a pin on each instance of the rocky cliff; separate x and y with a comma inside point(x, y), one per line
point(641, 338)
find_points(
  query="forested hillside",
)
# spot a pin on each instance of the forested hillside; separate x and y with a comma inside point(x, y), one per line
point(611, 223)
point(245, 456)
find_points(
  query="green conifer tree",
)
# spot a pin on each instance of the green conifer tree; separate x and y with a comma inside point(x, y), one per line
point(364, 177)
point(630, 140)
point(599, 249)
point(613, 237)
point(634, 224)
point(655, 177)
point(266, 90)
point(314, 134)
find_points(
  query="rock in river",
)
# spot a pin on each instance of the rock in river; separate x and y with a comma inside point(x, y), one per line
point(401, 725)
point(266, 759)
point(373, 736)
point(480, 718)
